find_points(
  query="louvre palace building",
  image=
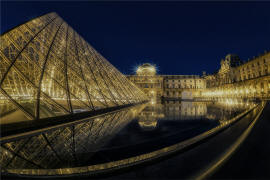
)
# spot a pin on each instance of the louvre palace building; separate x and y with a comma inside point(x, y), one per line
point(167, 86)
point(238, 79)
point(235, 78)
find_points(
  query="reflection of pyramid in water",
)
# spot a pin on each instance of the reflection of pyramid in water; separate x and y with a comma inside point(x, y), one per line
point(64, 147)
point(47, 69)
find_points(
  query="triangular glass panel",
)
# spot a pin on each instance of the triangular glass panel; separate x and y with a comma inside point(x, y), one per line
point(49, 108)
point(55, 91)
point(21, 91)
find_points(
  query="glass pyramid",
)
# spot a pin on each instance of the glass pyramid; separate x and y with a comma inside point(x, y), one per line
point(47, 69)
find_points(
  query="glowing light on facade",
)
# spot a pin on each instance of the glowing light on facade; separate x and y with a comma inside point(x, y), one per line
point(146, 70)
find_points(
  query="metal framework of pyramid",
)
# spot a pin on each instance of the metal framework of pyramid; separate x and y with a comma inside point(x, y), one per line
point(47, 69)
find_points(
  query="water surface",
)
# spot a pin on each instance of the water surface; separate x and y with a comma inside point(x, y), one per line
point(123, 134)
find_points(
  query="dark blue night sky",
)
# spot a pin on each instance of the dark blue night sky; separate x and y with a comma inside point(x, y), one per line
point(179, 37)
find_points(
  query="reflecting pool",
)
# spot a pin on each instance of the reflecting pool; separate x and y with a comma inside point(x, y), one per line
point(116, 136)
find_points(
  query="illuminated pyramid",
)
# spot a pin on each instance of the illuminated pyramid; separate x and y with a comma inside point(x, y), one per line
point(47, 70)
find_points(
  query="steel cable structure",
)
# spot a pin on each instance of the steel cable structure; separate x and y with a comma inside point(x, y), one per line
point(47, 70)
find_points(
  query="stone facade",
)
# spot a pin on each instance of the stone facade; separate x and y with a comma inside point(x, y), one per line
point(167, 86)
point(151, 85)
point(238, 79)
point(182, 86)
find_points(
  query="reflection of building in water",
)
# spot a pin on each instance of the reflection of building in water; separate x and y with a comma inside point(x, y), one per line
point(171, 110)
point(184, 110)
point(227, 108)
point(148, 118)
point(64, 147)
point(193, 109)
